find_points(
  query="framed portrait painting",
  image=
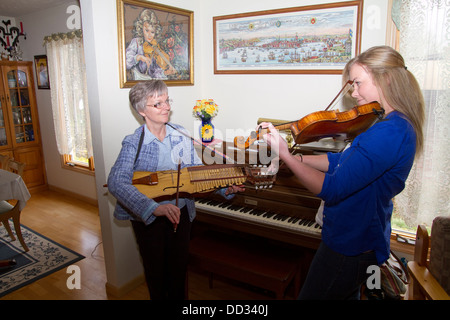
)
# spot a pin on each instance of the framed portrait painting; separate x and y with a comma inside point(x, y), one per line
point(41, 69)
point(155, 42)
point(310, 39)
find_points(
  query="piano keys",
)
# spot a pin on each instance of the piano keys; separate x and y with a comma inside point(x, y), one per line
point(257, 215)
point(262, 217)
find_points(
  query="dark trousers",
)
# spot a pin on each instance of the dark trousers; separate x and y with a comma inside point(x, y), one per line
point(165, 255)
point(333, 276)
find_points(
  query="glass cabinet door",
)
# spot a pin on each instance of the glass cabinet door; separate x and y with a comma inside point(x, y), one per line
point(19, 121)
point(3, 138)
point(20, 106)
point(4, 134)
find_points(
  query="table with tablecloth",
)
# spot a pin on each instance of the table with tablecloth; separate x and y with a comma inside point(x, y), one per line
point(12, 186)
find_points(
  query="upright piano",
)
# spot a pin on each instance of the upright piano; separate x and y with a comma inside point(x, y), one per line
point(285, 212)
point(283, 215)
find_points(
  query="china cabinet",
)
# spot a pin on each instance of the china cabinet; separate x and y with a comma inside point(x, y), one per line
point(19, 122)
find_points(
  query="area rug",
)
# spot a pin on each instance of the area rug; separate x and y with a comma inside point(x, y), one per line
point(44, 257)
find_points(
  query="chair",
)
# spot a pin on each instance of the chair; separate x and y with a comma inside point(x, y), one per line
point(4, 161)
point(8, 211)
point(15, 166)
point(430, 279)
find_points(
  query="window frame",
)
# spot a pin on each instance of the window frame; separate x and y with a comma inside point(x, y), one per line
point(67, 163)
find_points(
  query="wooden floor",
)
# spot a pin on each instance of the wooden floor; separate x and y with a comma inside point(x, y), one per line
point(75, 224)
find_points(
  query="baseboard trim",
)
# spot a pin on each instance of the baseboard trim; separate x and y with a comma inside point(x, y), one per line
point(127, 287)
point(89, 200)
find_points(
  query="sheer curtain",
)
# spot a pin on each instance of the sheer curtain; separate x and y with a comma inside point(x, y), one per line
point(425, 44)
point(67, 75)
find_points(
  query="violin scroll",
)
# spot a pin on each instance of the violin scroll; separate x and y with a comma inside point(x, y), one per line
point(241, 143)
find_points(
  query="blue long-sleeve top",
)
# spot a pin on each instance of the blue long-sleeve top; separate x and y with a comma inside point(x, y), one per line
point(154, 156)
point(360, 184)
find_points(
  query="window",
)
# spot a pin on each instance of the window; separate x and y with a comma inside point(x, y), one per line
point(427, 191)
point(67, 75)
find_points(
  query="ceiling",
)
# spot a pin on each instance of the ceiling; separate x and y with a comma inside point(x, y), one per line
point(17, 8)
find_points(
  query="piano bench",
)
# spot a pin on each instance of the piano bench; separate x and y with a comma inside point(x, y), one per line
point(264, 267)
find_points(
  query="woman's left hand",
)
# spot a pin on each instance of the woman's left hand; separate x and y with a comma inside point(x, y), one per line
point(234, 189)
point(274, 140)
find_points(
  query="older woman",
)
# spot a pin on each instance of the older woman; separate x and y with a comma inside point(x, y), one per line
point(156, 146)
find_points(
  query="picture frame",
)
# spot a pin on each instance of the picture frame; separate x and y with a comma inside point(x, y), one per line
point(169, 52)
point(41, 69)
point(315, 39)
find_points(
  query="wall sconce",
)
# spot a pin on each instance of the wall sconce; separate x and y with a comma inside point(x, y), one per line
point(9, 39)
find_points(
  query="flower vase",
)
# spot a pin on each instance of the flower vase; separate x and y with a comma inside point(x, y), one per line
point(207, 130)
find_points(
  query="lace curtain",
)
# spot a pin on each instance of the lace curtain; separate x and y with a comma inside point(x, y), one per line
point(69, 97)
point(425, 44)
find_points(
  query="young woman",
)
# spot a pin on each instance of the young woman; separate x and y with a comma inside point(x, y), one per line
point(358, 184)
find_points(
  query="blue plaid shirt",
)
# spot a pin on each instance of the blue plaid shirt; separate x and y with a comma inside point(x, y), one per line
point(131, 204)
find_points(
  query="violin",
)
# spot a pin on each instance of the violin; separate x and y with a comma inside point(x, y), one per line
point(324, 124)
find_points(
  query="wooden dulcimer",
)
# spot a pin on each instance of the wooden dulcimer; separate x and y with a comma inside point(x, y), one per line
point(198, 180)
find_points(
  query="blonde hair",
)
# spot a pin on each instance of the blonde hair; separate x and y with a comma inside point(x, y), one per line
point(150, 17)
point(395, 83)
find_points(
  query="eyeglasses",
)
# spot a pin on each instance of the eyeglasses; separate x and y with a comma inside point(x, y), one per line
point(161, 105)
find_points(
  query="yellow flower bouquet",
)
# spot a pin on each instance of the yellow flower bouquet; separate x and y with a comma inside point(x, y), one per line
point(205, 109)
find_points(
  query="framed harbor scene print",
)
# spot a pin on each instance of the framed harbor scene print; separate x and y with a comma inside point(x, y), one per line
point(310, 39)
point(155, 42)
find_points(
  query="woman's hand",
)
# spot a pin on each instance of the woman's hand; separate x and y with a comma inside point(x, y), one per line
point(145, 59)
point(234, 189)
point(274, 140)
point(170, 211)
point(308, 175)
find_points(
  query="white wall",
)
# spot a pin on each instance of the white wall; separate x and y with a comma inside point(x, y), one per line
point(112, 119)
point(242, 98)
point(37, 25)
point(245, 98)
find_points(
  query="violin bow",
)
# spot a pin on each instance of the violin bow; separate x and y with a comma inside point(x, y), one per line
point(349, 82)
point(178, 192)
